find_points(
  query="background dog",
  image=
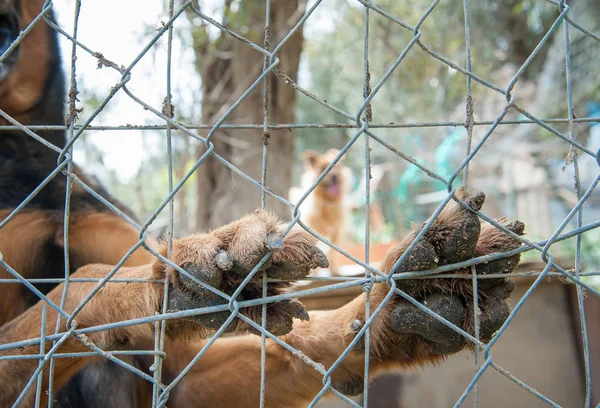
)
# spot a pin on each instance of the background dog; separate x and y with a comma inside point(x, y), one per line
point(326, 209)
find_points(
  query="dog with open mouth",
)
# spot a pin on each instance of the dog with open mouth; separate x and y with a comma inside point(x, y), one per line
point(326, 209)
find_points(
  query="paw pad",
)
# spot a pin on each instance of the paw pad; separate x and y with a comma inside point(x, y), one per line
point(455, 236)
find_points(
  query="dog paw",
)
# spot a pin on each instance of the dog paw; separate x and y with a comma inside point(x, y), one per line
point(226, 256)
point(455, 236)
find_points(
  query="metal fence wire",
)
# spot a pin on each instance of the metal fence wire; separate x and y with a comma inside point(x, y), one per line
point(365, 132)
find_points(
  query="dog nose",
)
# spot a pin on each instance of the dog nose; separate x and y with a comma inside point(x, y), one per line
point(334, 178)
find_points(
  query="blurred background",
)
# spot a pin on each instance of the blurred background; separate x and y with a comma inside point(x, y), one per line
point(526, 171)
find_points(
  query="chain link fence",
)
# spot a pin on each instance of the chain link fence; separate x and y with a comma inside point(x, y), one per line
point(365, 132)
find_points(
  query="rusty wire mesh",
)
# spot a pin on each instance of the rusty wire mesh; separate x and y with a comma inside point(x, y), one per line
point(365, 132)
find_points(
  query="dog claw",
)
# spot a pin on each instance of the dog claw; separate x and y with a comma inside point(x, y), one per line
point(517, 227)
point(476, 201)
point(274, 242)
point(320, 259)
point(299, 310)
point(224, 260)
point(356, 325)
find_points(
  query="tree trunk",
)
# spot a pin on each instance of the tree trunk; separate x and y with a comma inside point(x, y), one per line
point(227, 70)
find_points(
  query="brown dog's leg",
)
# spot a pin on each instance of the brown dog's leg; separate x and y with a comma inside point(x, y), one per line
point(221, 259)
point(229, 373)
point(402, 336)
point(31, 243)
point(103, 237)
point(115, 302)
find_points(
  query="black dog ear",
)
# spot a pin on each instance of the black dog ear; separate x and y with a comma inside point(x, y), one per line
point(9, 31)
point(309, 158)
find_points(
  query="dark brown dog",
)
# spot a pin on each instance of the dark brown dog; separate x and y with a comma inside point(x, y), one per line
point(32, 92)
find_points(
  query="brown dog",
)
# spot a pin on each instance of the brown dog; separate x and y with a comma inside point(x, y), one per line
point(228, 374)
point(326, 209)
point(32, 243)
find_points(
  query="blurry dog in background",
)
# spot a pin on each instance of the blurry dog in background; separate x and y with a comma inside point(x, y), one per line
point(326, 209)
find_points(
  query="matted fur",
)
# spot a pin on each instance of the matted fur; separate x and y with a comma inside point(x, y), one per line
point(229, 372)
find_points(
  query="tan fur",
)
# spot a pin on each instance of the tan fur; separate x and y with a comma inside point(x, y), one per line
point(115, 302)
point(327, 213)
point(232, 364)
point(21, 242)
point(92, 239)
